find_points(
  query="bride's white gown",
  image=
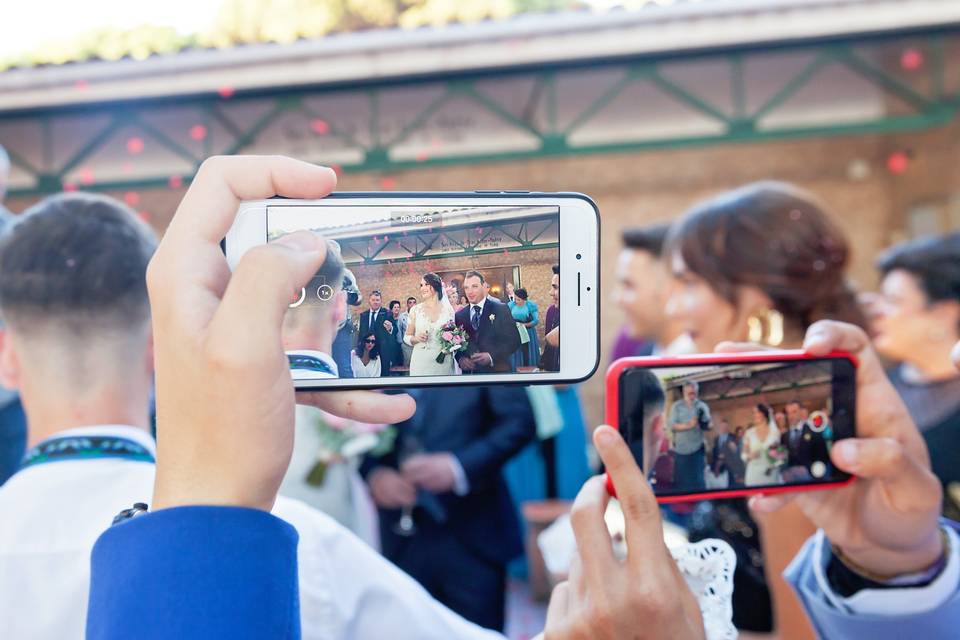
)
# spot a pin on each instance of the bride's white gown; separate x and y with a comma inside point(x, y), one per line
point(423, 360)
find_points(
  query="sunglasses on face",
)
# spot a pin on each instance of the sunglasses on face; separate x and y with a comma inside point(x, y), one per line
point(370, 342)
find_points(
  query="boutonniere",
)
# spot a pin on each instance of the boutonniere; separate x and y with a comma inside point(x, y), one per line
point(493, 317)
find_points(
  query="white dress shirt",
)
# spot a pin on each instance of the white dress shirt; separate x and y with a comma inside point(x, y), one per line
point(52, 513)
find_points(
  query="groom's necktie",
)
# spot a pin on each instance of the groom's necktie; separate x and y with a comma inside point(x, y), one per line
point(475, 317)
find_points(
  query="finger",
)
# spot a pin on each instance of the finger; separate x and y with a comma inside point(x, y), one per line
point(825, 336)
point(259, 293)
point(362, 406)
point(558, 608)
point(769, 504)
point(590, 530)
point(887, 460)
point(640, 511)
point(210, 204)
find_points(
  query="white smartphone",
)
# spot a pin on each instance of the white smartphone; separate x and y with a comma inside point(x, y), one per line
point(438, 288)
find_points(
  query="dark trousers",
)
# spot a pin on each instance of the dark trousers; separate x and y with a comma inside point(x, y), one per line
point(453, 574)
point(688, 471)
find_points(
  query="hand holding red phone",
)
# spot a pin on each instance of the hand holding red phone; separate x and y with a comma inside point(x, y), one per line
point(645, 597)
point(886, 520)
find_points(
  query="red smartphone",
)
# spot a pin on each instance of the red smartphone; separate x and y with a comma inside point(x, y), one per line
point(714, 426)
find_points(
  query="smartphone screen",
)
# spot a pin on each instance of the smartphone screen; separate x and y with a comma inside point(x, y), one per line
point(739, 425)
point(439, 293)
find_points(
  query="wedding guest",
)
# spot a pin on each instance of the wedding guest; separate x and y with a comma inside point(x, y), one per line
point(550, 358)
point(446, 466)
point(644, 430)
point(13, 423)
point(72, 284)
point(527, 315)
point(760, 263)
point(367, 364)
point(405, 349)
point(510, 290)
point(640, 291)
point(915, 320)
point(689, 419)
point(456, 300)
point(381, 323)
point(726, 456)
point(344, 341)
point(780, 419)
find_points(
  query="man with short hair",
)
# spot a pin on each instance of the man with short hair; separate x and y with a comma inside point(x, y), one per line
point(489, 323)
point(808, 456)
point(643, 429)
point(380, 322)
point(726, 456)
point(641, 293)
point(77, 345)
point(689, 418)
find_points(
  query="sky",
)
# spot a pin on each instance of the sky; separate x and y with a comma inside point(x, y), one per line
point(28, 24)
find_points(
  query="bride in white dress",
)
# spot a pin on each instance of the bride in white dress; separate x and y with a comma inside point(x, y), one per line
point(756, 441)
point(432, 312)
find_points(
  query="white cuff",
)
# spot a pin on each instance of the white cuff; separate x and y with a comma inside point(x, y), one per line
point(407, 340)
point(908, 601)
point(461, 486)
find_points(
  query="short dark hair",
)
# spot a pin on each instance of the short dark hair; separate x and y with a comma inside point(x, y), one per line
point(474, 274)
point(375, 352)
point(933, 260)
point(78, 261)
point(556, 269)
point(411, 298)
point(647, 400)
point(376, 292)
point(393, 302)
point(649, 238)
point(521, 293)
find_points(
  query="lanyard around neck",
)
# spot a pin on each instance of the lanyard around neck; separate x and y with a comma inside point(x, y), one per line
point(84, 448)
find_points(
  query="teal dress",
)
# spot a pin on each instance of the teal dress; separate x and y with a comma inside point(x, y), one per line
point(528, 354)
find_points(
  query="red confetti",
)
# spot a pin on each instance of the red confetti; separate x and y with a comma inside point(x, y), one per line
point(198, 132)
point(86, 176)
point(388, 183)
point(897, 162)
point(134, 145)
point(144, 215)
point(226, 92)
point(132, 198)
point(911, 60)
point(175, 182)
point(81, 85)
point(69, 186)
point(319, 126)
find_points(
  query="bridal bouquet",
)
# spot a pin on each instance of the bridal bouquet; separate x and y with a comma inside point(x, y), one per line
point(452, 339)
point(776, 456)
point(342, 440)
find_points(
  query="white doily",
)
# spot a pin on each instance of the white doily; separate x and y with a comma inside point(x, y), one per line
point(708, 568)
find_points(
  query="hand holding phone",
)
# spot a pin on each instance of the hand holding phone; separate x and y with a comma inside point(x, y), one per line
point(736, 424)
point(886, 520)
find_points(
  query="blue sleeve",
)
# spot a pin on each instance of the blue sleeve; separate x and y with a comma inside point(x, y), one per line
point(195, 572)
point(534, 313)
point(833, 622)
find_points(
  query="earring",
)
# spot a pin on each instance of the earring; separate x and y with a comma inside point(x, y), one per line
point(766, 328)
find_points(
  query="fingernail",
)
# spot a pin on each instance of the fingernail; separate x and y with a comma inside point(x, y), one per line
point(300, 241)
point(846, 453)
point(812, 339)
point(606, 436)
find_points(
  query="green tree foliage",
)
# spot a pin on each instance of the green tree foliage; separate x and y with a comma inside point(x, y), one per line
point(281, 21)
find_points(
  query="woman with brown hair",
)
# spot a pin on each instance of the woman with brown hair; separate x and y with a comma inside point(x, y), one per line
point(761, 264)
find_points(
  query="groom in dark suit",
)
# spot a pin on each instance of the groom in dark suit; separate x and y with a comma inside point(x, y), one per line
point(493, 333)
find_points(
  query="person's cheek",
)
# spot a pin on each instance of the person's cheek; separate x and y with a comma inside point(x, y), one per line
point(956, 355)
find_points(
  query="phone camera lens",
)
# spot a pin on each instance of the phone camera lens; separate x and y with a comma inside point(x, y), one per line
point(579, 256)
point(588, 288)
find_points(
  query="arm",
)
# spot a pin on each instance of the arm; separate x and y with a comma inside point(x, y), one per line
point(377, 367)
point(534, 314)
point(513, 427)
point(506, 326)
point(206, 572)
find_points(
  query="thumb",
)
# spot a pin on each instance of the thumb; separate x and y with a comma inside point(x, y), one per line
point(264, 282)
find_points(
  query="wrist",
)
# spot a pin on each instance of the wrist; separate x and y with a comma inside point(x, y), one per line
point(166, 497)
point(887, 564)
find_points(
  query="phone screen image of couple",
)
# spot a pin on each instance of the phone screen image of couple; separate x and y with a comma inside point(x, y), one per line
point(425, 291)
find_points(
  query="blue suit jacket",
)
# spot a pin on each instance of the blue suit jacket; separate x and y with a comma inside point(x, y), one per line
point(832, 623)
point(195, 572)
point(483, 427)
